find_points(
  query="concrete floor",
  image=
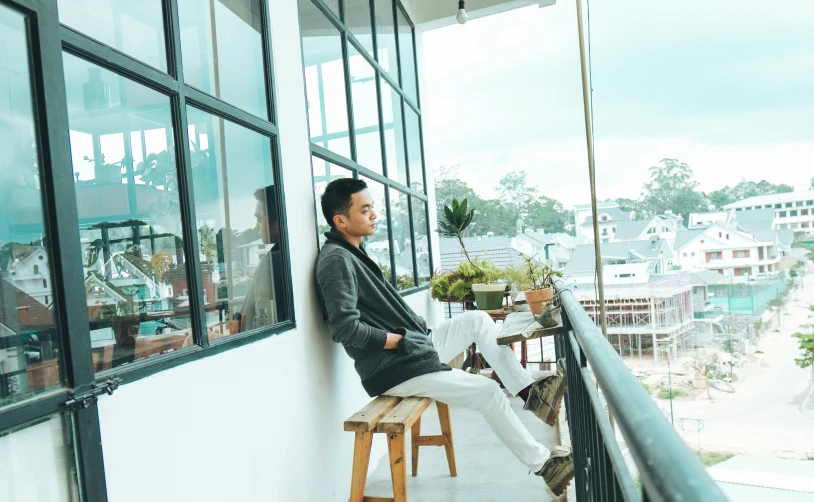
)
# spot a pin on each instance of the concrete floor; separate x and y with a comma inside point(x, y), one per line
point(487, 471)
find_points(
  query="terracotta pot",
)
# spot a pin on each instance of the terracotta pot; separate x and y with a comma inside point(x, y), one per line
point(537, 297)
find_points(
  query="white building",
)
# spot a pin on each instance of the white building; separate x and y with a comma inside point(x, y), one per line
point(30, 273)
point(609, 215)
point(556, 248)
point(729, 251)
point(703, 220)
point(792, 211)
point(622, 262)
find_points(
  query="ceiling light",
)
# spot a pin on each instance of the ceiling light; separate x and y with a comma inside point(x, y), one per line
point(461, 17)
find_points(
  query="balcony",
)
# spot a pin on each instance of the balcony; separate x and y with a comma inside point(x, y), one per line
point(667, 469)
point(714, 314)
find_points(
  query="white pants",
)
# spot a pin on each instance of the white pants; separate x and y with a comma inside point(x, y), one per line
point(459, 388)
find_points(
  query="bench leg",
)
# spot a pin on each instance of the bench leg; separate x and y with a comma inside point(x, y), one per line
point(416, 432)
point(361, 461)
point(446, 430)
point(398, 468)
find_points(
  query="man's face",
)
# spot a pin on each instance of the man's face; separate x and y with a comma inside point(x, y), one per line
point(361, 219)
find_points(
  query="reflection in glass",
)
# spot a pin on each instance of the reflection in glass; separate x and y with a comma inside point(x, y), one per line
point(37, 460)
point(134, 28)
point(126, 184)
point(324, 80)
point(393, 134)
point(386, 38)
point(222, 50)
point(324, 173)
point(402, 239)
point(237, 219)
point(357, 19)
point(30, 352)
point(422, 244)
point(365, 112)
point(378, 244)
point(409, 81)
point(414, 149)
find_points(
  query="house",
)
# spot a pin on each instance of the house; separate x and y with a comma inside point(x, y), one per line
point(556, 248)
point(496, 249)
point(609, 216)
point(703, 220)
point(622, 262)
point(728, 250)
point(29, 271)
point(707, 315)
point(791, 211)
point(664, 226)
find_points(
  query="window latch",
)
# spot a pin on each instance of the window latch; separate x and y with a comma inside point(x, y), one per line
point(83, 399)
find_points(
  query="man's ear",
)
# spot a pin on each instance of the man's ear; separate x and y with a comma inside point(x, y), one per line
point(339, 221)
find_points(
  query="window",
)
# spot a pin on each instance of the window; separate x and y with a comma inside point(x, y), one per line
point(380, 142)
point(783, 214)
point(804, 225)
point(778, 206)
point(36, 269)
point(45, 283)
point(792, 213)
point(798, 204)
point(810, 203)
point(693, 254)
point(804, 212)
point(685, 255)
point(156, 282)
point(740, 254)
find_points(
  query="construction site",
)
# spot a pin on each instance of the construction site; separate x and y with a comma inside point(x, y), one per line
point(641, 318)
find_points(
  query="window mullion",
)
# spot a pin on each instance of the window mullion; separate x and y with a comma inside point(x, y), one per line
point(348, 94)
point(412, 239)
point(186, 193)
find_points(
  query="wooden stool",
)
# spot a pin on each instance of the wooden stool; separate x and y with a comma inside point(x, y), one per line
point(394, 416)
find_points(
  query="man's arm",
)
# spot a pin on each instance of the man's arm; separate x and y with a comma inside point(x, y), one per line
point(337, 283)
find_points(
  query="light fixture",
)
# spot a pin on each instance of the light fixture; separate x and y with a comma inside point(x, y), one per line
point(461, 17)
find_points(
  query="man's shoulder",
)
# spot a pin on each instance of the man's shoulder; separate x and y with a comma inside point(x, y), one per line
point(332, 252)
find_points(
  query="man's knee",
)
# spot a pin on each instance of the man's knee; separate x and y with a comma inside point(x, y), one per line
point(491, 394)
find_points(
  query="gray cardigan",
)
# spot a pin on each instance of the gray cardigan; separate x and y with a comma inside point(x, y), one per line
point(360, 308)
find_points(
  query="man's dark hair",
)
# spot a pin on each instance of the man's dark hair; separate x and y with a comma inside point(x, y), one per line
point(268, 197)
point(337, 197)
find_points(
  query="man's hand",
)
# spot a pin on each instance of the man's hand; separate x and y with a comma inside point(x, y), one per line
point(392, 341)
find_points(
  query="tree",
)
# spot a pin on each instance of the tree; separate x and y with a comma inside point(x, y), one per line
point(546, 214)
point(806, 359)
point(630, 205)
point(516, 193)
point(720, 198)
point(672, 187)
point(745, 189)
point(448, 186)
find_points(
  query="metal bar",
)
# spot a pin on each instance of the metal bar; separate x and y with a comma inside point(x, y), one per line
point(226, 111)
point(667, 466)
point(410, 216)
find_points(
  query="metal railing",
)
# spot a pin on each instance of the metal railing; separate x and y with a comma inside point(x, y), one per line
point(668, 469)
point(714, 313)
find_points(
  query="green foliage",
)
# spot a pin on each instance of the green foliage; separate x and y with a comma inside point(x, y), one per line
point(672, 187)
point(533, 274)
point(664, 393)
point(456, 220)
point(806, 359)
point(647, 388)
point(710, 458)
point(457, 284)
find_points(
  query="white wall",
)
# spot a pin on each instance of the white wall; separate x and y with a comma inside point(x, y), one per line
point(262, 422)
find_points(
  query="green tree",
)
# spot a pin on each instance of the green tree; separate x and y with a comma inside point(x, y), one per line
point(547, 214)
point(448, 186)
point(745, 189)
point(629, 205)
point(494, 216)
point(806, 359)
point(672, 187)
point(516, 193)
point(720, 198)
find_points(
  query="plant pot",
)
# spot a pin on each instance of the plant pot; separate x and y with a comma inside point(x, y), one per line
point(537, 297)
point(489, 296)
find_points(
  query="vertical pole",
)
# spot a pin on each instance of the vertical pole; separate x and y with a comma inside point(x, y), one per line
point(589, 137)
point(670, 384)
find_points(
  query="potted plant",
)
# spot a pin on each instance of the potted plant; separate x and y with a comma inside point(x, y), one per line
point(473, 275)
point(541, 280)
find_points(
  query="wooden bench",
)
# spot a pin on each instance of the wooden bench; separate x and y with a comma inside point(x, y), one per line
point(394, 416)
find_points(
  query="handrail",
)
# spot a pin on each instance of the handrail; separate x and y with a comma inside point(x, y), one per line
point(669, 470)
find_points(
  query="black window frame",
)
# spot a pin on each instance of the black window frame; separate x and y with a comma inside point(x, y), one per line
point(317, 151)
point(48, 42)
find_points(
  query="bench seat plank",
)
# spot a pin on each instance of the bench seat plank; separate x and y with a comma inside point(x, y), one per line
point(366, 419)
point(403, 416)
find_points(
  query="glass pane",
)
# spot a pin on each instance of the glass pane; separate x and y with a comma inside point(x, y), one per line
point(393, 134)
point(422, 245)
point(37, 462)
point(378, 244)
point(134, 28)
point(386, 38)
point(365, 112)
point(324, 81)
point(126, 184)
point(237, 218)
point(409, 81)
point(30, 355)
point(414, 150)
point(357, 19)
point(324, 173)
point(222, 50)
point(402, 240)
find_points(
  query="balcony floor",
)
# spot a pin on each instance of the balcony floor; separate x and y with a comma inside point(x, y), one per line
point(487, 471)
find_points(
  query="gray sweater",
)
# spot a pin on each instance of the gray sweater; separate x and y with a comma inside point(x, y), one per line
point(360, 308)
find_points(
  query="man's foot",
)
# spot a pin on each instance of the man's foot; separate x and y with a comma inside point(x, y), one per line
point(559, 470)
point(545, 395)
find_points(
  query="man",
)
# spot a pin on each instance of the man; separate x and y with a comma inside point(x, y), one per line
point(396, 354)
point(265, 301)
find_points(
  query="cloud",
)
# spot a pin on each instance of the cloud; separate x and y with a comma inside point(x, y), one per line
point(726, 86)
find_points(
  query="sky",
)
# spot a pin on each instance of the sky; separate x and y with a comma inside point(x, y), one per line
point(725, 86)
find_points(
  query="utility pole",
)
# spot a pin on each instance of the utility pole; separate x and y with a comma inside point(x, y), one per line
point(670, 383)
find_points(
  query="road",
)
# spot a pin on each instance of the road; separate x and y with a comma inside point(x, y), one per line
point(763, 416)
